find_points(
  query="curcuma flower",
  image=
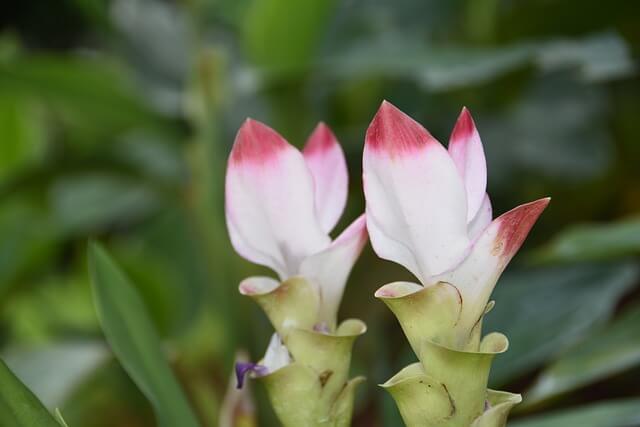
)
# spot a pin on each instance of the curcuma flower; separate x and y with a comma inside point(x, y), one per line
point(427, 209)
point(281, 205)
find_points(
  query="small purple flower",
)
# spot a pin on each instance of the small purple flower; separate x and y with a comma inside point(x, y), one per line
point(243, 368)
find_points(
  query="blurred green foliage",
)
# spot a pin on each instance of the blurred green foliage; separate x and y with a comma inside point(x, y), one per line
point(116, 118)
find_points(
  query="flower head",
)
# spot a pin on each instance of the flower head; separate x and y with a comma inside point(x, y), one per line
point(427, 209)
point(282, 203)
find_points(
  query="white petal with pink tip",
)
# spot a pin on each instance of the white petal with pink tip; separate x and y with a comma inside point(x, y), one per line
point(416, 201)
point(477, 275)
point(481, 220)
point(465, 148)
point(329, 269)
point(270, 209)
point(327, 164)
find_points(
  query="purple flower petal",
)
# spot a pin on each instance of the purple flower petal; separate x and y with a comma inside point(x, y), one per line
point(243, 368)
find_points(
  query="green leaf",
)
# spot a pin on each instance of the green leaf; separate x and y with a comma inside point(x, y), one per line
point(593, 241)
point(60, 418)
point(54, 371)
point(134, 340)
point(606, 352)
point(617, 413)
point(545, 311)
point(282, 35)
point(19, 407)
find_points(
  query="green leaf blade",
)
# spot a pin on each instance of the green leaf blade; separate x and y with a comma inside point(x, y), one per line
point(19, 407)
point(134, 340)
point(608, 351)
point(617, 413)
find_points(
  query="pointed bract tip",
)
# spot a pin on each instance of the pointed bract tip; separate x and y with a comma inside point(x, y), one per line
point(356, 230)
point(465, 127)
point(256, 142)
point(516, 224)
point(394, 132)
point(321, 139)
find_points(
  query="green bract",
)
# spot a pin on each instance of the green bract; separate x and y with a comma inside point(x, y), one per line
point(448, 387)
point(314, 389)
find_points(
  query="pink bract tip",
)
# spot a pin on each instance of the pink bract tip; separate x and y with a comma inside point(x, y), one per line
point(256, 143)
point(464, 128)
point(516, 224)
point(394, 132)
point(321, 139)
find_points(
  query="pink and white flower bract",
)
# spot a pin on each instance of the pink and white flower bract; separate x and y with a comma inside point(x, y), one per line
point(282, 203)
point(427, 207)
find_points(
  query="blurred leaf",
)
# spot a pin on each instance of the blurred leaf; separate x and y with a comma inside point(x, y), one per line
point(613, 413)
point(544, 311)
point(108, 391)
point(92, 95)
point(282, 35)
point(135, 342)
point(597, 58)
point(167, 265)
point(156, 41)
point(444, 66)
point(159, 283)
point(603, 353)
point(558, 129)
point(27, 238)
point(593, 242)
point(54, 371)
point(87, 202)
point(160, 160)
point(433, 67)
point(22, 136)
point(57, 305)
point(19, 407)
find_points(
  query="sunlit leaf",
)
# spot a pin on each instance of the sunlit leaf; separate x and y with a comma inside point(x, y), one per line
point(282, 35)
point(545, 311)
point(19, 407)
point(135, 342)
point(22, 140)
